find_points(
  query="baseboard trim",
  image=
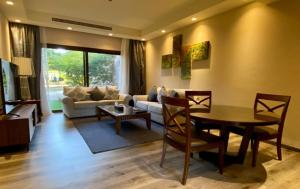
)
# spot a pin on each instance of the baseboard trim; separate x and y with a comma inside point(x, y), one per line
point(288, 147)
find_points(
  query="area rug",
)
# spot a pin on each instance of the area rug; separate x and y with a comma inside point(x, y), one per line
point(100, 136)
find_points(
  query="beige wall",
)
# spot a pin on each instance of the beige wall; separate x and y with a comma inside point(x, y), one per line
point(4, 38)
point(73, 38)
point(255, 48)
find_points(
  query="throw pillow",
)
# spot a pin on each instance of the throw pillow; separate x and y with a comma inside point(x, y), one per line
point(96, 94)
point(173, 93)
point(163, 92)
point(152, 96)
point(77, 94)
point(67, 89)
point(111, 94)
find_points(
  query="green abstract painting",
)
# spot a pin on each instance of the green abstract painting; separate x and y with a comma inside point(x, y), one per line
point(166, 61)
point(200, 51)
point(177, 44)
point(186, 65)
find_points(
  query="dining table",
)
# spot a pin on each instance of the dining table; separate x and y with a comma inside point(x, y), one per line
point(226, 116)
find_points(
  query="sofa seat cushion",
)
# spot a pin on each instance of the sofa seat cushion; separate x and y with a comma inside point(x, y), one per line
point(92, 104)
point(155, 107)
point(142, 104)
point(85, 104)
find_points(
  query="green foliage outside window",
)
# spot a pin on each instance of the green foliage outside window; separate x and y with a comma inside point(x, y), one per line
point(68, 65)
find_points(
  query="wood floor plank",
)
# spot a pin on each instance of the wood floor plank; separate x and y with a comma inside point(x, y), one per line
point(60, 159)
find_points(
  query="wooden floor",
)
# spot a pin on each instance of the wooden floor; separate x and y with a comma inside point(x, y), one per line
point(59, 158)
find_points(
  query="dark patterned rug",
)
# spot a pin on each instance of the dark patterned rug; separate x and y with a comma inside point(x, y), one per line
point(100, 136)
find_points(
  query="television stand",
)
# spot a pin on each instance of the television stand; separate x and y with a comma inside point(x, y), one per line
point(22, 102)
point(16, 130)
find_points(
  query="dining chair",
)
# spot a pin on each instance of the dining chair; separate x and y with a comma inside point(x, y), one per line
point(200, 101)
point(180, 133)
point(268, 105)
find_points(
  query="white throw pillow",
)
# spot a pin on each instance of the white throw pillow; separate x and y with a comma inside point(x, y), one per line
point(111, 93)
point(162, 92)
point(78, 94)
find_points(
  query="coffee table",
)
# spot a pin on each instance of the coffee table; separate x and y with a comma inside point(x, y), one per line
point(127, 114)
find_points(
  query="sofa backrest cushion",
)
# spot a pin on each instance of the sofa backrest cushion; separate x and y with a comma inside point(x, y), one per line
point(173, 93)
point(180, 92)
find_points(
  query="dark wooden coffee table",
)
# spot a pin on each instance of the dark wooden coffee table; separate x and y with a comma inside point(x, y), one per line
point(127, 114)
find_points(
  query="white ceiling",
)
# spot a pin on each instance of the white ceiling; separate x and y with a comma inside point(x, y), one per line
point(129, 18)
point(137, 14)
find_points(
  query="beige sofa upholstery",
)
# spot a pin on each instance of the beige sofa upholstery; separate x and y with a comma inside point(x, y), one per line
point(155, 108)
point(87, 108)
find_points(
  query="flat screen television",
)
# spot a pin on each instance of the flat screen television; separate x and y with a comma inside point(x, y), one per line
point(9, 89)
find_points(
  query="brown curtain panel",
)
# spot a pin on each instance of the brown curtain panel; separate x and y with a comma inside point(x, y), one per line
point(25, 43)
point(137, 68)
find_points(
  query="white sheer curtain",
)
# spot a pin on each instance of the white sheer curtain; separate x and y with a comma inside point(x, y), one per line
point(124, 79)
point(44, 84)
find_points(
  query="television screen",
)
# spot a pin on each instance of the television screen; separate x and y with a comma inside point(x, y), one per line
point(9, 75)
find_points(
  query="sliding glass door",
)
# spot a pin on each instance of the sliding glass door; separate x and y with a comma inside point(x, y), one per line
point(79, 67)
point(65, 68)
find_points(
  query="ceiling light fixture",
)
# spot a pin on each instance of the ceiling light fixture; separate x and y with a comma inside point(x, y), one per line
point(110, 34)
point(163, 31)
point(143, 39)
point(194, 19)
point(69, 28)
point(17, 20)
point(9, 3)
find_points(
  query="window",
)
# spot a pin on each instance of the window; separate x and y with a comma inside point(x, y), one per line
point(76, 66)
point(65, 68)
point(104, 69)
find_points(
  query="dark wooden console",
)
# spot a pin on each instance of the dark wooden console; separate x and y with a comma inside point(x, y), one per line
point(17, 127)
point(22, 102)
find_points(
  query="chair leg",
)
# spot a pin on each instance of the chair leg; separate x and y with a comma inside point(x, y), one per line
point(164, 149)
point(186, 168)
point(221, 158)
point(255, 151)
point(278, 144)
point(225, 135)
point(191, 155)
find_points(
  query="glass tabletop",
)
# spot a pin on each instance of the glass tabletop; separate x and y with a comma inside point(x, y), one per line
point(117, 111)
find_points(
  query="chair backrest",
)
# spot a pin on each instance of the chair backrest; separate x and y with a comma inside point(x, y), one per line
point(272, 103)
point(201, 98)
point(176, 114)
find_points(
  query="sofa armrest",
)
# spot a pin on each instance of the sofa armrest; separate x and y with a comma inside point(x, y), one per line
point(67, 101)
point(140, 98)
point(125, 98)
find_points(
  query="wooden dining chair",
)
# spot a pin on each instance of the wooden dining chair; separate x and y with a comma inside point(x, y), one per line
point(200, 101)
point(267, 105)
point(180, 133)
